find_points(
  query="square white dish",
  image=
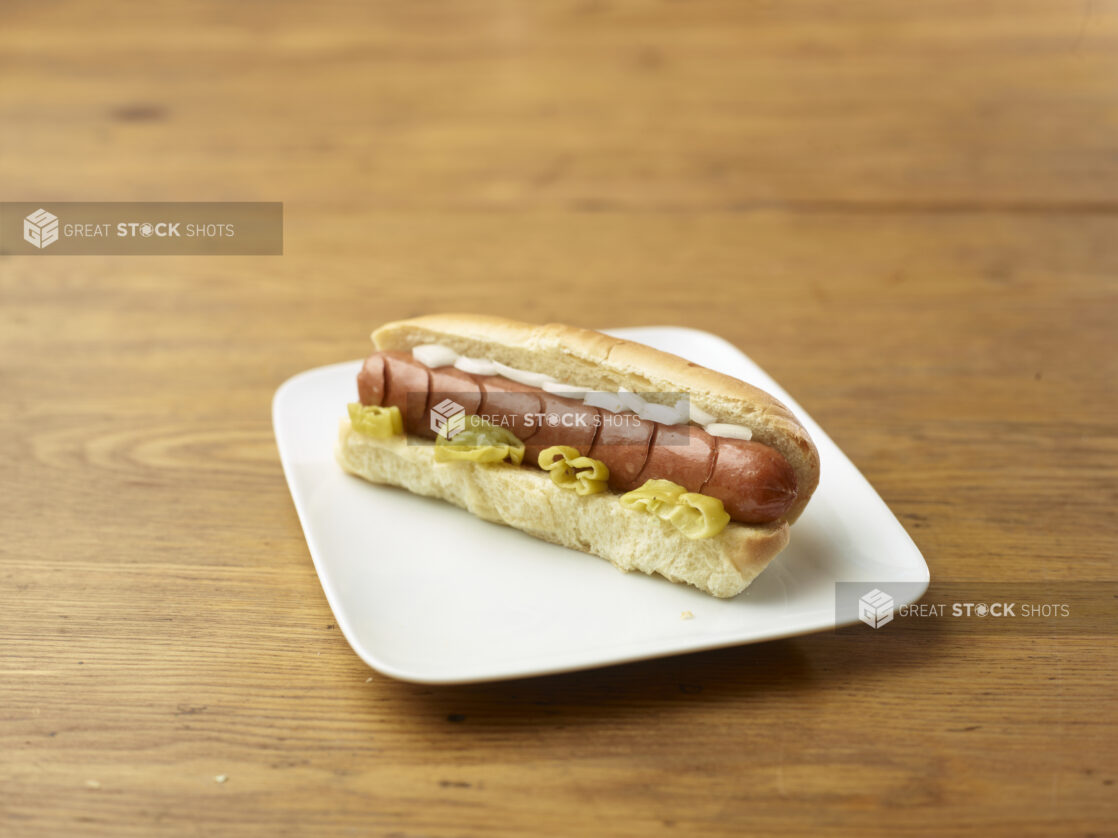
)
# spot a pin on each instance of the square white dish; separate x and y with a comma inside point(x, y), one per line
point(425, 592)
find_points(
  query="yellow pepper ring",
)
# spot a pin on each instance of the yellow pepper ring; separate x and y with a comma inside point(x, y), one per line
point(375, 421)
point(479, 442)
point(652, 495)
point(693, 514)
point(556, 455)
point(570, 470)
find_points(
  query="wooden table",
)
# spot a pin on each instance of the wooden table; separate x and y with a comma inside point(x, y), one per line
point(906, 213)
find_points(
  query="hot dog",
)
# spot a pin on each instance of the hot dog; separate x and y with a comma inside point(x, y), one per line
point(754, 482)
point(666, 472)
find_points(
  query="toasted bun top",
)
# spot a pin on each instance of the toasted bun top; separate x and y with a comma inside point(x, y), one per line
point(586, 358)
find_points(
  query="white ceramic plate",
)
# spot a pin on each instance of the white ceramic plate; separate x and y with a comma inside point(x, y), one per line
point(424, 591)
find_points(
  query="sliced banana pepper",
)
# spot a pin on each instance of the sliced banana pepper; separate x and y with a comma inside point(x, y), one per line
point(479, 442)
point(693, 514)
point(375, 421)
point(569, 470)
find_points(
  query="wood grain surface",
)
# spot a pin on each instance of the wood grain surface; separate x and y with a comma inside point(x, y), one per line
point(907, 213)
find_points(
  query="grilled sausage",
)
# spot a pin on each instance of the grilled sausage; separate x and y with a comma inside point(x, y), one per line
point(755, 483)
point(682, 450)
point(453, 384)
point(623, 444)
point(406, 384)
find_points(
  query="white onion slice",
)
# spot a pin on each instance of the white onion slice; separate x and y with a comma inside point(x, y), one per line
point(526, 377)
point(606, 401)
point(569, 391)
point(683, 410)
point(475, 366)
point(631, 400)
point(434, 355)
point(662, 413)
point(729, 431)
point(700, 416)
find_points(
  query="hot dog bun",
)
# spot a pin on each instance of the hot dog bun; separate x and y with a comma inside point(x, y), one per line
point(590, 359)
point(526, 499)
